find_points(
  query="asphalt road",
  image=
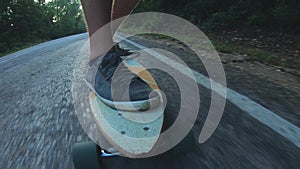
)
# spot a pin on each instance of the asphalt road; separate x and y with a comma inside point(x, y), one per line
point(39, 125)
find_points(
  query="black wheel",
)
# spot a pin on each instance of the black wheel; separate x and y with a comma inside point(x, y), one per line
point(86, 155)
point(186, 145)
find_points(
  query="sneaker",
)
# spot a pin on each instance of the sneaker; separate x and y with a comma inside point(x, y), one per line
point(121, 51)
point(112, 71)
point(94, 64)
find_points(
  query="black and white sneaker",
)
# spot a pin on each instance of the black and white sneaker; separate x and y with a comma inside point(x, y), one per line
point(110, 78)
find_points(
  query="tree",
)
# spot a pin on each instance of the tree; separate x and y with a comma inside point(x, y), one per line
point(24, 21)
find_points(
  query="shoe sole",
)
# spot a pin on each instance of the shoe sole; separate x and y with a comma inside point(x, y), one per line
point(133, 106)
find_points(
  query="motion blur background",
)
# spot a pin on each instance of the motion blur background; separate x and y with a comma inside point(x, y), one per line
point(266, 30)
point(258, 43)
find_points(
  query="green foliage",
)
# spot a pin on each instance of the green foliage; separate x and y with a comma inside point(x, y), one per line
point(263, 56)
point(277, 15)
point(23, 21)
point(148, 6)
point(27, 21)
point(224, 47)
point(256, 54)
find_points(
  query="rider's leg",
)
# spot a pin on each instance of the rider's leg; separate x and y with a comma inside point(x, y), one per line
point(100, 76)
point(98, 14)
point(121, 8)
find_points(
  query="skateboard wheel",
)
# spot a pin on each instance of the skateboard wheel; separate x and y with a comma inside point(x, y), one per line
point(186, 145)
point(86, 155)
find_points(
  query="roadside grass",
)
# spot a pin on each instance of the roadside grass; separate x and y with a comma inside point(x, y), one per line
point(262, 56)
point(224, 47)
point(254, 54)
point(21, 47)
point(157, 36)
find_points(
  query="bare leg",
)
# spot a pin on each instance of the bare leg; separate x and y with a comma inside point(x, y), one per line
point(98, 14)
point(99, 76)
point(121, 8)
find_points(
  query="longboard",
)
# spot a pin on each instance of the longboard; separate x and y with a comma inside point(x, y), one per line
point(133, 134)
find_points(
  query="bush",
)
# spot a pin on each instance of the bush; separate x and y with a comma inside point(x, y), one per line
point(29, 21)
point(277, 15)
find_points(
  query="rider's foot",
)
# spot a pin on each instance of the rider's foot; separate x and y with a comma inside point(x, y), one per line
point(94, 64)
point(121, 51)
point(118, 87)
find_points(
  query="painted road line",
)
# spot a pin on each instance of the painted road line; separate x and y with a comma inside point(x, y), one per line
point(262, 114)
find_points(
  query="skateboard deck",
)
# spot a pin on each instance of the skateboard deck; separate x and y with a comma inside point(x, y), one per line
point(131, 133)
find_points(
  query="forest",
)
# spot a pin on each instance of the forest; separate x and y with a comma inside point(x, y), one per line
point(29, 21)
point(274, 15)
point(25, 22)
